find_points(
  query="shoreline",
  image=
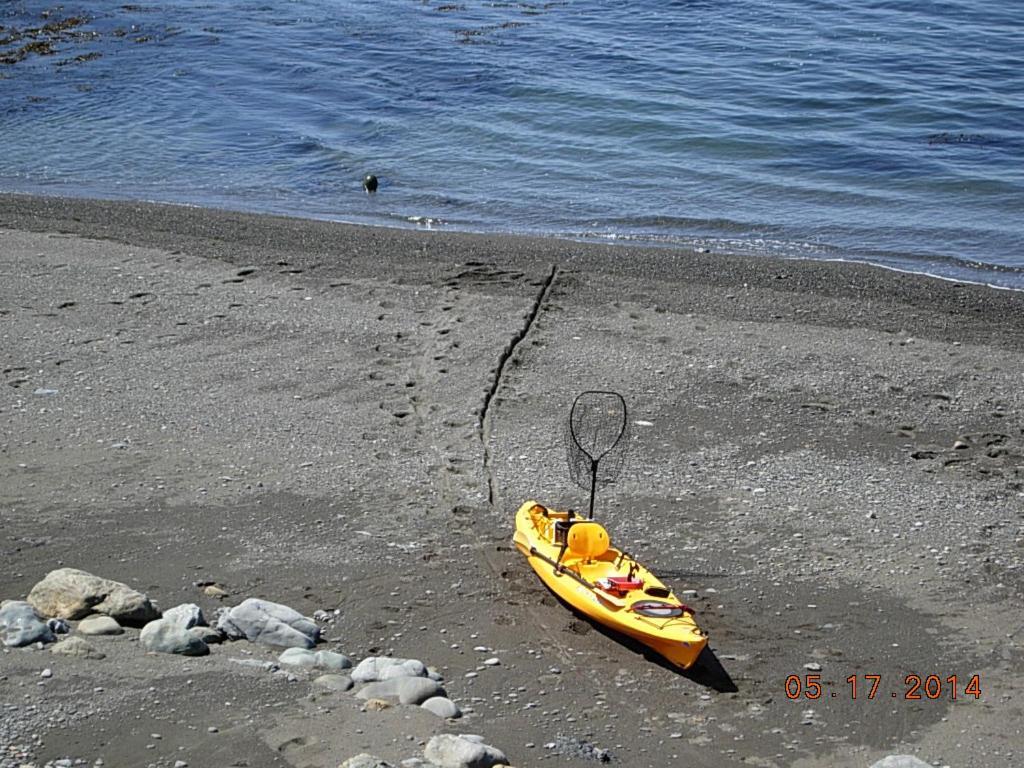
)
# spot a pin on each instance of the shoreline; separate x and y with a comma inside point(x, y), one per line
point(231, 236)
point(827, 461)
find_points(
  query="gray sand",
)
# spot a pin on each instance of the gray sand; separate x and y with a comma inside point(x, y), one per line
point(308, 412)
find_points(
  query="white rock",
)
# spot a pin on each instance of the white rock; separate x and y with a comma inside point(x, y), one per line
point(442, 707)
point(449, 751)
point(374, 668)
point(900, 761)
point(186, 616)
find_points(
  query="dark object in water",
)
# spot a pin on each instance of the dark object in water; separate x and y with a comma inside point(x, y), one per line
point(370, 183)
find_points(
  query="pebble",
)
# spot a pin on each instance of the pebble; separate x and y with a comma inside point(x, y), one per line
point(46, 673)
point(492, 662)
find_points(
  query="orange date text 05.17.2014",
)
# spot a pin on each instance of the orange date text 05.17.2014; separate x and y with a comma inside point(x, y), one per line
point(914, 687)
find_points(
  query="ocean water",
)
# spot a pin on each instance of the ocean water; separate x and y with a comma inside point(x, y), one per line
point(886, 131)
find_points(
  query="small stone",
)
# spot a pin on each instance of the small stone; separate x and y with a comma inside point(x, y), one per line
point(364, 760)
point(332, 661)
point(99, 625)
point(208, 635)
point(492, 662)
point(298, 657)
point(180, 764)
point(78, 647)
point(46, 673)
point(813, 666)
point(334, 682)
point(212, 590)
point(58, 626)
point(442, 707)
point(376, 705)
point(161, 636)
point(212, 729)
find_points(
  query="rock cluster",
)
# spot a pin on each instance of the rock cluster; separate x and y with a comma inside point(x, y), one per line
point(102, 607)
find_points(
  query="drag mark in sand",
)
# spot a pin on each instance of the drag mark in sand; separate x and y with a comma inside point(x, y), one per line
point(506, 355)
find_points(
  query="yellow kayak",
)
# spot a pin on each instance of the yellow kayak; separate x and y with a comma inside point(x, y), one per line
point(575, 559)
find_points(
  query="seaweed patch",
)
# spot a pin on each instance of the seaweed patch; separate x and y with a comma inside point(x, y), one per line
point(956, 138)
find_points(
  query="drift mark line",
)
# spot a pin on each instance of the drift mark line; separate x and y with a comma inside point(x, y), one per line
point(506, 355)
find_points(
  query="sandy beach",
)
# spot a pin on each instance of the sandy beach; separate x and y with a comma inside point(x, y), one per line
point(343, 418)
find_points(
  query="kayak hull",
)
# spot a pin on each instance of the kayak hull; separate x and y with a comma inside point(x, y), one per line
point(608, 586)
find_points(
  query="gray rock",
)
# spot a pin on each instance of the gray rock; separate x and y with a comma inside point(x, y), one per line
point(408, 690)
point(449, 751)
point(261, 621)
point(334, 682)
point(166, 637)
point(99, 625)
point(58, 626)
point(186, 616)
point(374, 668)
point(333, 661)
point(442, 707)
point(77, 647)
point(364, 760)
point(298, 657)
point(20, 625)
point(68, 593)
point(900, 761)
point(208, 635)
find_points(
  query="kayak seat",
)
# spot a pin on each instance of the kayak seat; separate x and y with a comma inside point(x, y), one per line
point(587, 539)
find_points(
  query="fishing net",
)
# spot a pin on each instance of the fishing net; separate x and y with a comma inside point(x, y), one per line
point(596, 438)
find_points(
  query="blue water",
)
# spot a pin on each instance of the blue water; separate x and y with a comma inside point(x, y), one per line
point(891, 132)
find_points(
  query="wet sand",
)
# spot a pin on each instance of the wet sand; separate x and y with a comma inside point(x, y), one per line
point(341, 417)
